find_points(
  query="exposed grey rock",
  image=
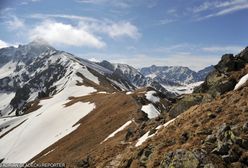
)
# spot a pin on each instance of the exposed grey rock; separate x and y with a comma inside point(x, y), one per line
point(180, 159)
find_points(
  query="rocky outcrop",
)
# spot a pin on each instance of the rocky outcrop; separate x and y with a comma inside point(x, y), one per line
point(224, 148)
point(223, 78)
point(187, 101)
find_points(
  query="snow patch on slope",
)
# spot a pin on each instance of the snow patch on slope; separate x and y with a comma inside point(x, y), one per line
point(150, 110)
point(118, 130)
point(150, 96)
point(146, 136)
point(7, 69)
point(5, 99)
point(241, 82)
point(46, 125)
point(142, 139)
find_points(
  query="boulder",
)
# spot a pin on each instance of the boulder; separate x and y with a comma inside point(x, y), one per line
point(85, 163)
point(181, 158)
point(185, 103)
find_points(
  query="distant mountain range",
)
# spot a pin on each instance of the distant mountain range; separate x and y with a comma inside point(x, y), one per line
point(175, 75)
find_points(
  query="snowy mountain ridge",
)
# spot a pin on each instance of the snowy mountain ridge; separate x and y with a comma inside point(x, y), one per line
point(175, 75)
point(37, 71)
point(51, 92)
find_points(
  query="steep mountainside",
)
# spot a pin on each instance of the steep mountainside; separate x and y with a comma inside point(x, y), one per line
point(175, 75)
point(56, 107)
point(205, 129)
point(36, 85)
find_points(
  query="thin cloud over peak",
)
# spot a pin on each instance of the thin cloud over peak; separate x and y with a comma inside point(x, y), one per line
point(3, 44)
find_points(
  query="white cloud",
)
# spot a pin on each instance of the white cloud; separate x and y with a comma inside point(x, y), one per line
point(66, 34)
point(229, 10)
point(64, 16)
point(198, 48)
point(15, 23)
point(3, 44)
point(219, 8)
point(116, 3)
point(112, 29)
point(121, 29)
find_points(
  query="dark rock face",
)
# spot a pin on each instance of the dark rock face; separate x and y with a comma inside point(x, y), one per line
point(180, 159)
point(244, 55)
point(220, 80)
point(53, 73)
point(185, 103)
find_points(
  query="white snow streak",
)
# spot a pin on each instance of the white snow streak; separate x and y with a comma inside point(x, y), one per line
point(118, 130)
point(241, 82)
point(142, 139)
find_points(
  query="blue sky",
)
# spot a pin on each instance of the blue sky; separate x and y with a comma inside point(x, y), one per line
point(193, 33)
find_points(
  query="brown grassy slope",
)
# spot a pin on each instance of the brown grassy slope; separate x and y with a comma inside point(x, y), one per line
point(111, 112)
point(196, 122)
